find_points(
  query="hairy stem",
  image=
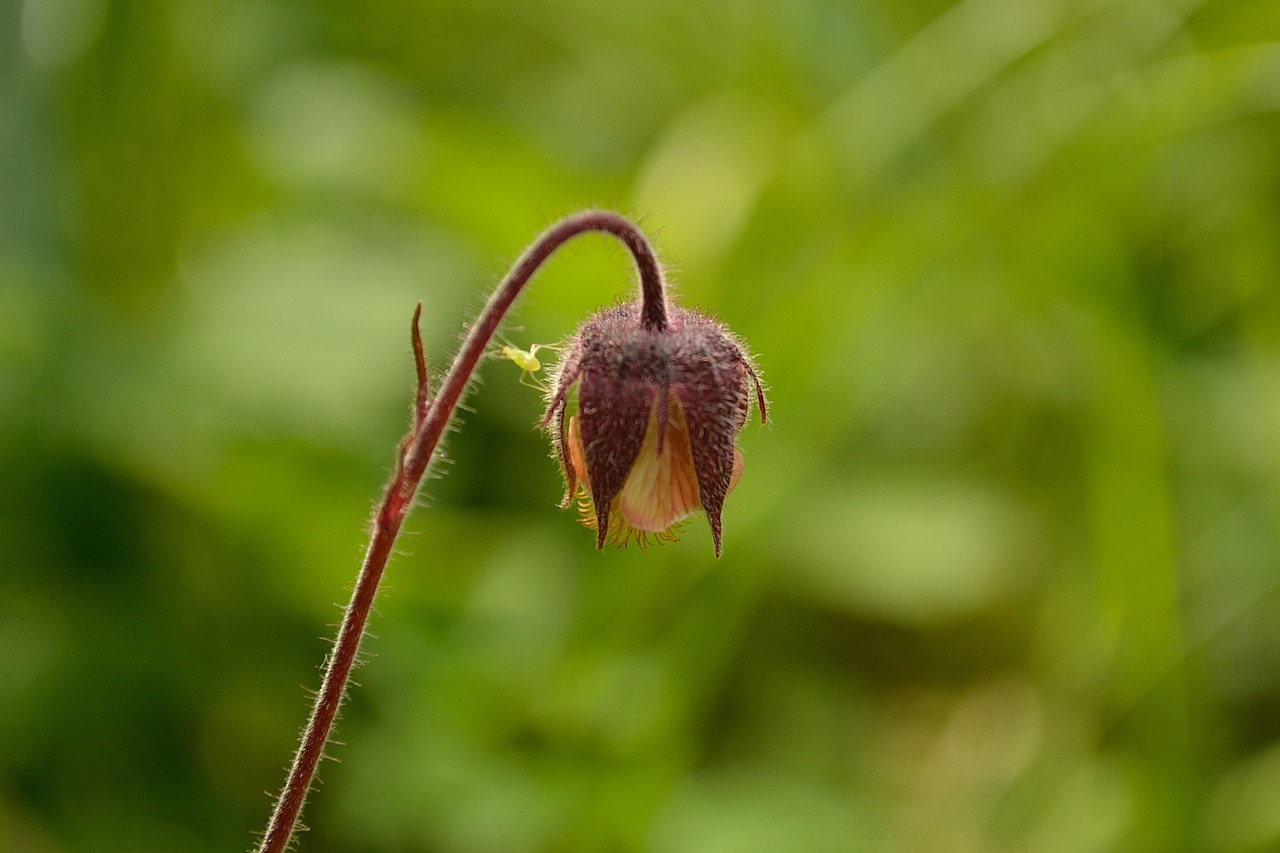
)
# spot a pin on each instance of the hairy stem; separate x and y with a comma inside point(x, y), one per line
point(431, 416)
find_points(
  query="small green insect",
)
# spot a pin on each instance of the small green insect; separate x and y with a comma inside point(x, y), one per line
point(527, 361)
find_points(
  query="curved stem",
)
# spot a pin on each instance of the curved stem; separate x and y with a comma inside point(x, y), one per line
point(431, 416)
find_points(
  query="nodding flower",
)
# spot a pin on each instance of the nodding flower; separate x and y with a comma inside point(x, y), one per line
point(661, 398)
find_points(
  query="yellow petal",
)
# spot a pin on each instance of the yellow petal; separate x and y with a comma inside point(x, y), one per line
point(577, 459)
point(662, 487)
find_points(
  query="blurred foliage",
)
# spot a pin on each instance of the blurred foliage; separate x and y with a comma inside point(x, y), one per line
point(1001, 575)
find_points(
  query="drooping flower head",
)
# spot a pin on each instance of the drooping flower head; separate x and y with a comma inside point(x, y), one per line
point(660, 402)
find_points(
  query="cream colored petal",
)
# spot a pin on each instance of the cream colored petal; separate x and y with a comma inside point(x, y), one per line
point(662, 487)
point(577, 461)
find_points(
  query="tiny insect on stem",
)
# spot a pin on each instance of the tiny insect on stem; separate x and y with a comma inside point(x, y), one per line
point(528, 362)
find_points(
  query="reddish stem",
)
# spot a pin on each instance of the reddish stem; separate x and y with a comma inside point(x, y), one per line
point(430, 418)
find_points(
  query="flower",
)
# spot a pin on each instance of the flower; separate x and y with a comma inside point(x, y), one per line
point(658, 410)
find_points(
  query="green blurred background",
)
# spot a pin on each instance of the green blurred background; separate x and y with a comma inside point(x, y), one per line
point(1000, 576)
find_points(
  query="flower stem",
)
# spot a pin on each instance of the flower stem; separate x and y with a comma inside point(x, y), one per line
point(430, 418)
